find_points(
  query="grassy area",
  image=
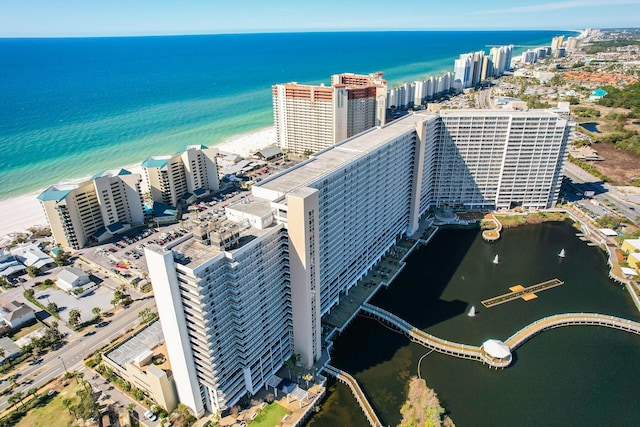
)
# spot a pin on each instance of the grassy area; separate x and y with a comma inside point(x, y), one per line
point(510, 221)
point(270, 416)
point(26, 330)
point(54, 410)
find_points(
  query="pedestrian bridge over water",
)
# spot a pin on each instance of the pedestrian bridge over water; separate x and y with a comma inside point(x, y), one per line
point(484, 354)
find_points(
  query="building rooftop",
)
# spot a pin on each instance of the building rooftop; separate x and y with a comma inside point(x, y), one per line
point(145, 340)
point(71, 274)
point(14, 311)
point(252, 206)
point(31, 255)
point(193, 252)
point(111, 173)
point(56, 192)
point(156, 162)
point(333, 158)
point(190, 147)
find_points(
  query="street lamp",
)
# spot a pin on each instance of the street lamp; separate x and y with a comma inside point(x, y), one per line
point(63, 365)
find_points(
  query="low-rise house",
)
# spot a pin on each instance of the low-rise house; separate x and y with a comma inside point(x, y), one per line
point(15, 314)
point(70, 279)
point(32, 256)
point(630, 246)
point(634, 261)
point(9, 265)
point(10, 348)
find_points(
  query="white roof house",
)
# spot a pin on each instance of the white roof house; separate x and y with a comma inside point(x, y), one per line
point(16, 314)
point(32, 255)
point(9, 265)
point(71, 278)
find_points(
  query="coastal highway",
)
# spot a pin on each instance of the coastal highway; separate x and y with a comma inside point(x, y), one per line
point(70, 355)
point(484, 98)
point(605, 193)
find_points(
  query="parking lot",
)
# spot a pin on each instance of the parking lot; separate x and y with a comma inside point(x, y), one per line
point(124, 258)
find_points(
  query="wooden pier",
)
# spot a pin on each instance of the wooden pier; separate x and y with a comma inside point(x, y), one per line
point(522, 292)
point(357, 393)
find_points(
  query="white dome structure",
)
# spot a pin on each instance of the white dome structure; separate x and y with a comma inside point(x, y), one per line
point(496, 349)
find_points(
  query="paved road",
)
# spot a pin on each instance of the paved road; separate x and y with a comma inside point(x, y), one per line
point(70, 356)
point(605, 193)
point(484, 98)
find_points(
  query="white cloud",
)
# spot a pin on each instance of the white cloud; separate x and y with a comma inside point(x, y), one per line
point(546, 7)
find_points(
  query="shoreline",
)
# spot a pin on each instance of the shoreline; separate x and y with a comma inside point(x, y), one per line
point(22, 212)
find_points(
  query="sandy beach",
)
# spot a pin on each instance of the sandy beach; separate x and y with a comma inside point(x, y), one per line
point(22, 212)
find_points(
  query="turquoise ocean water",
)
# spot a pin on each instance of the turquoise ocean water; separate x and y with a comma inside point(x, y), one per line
point(76, 106)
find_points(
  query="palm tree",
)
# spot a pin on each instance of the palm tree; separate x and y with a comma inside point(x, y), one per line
point(13, 379)
point(12, 400)
point(18, 395)
point(32, 391)
point(114, 302)
point(67, 404)
point(96, 312)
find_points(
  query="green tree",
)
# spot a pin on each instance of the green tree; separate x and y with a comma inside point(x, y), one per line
point(32, 271)
point(61, 258)
point(29, 293)
point(18, 395)
point(74, 318)
point(96, 312)
point(32, 391)
point(52, 307)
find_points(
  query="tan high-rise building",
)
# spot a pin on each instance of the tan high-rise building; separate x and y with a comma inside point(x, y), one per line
point(311, 118)
point(91, 211)
point(191, 170)
point(247, 291)
point(556, 43)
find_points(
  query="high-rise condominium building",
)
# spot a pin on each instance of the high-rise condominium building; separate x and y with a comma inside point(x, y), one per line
point(310, 118)
point(556, 43)
point(192, 169)
point(244, 293)
point(90, 211)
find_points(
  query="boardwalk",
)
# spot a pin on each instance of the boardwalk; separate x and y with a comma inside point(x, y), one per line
point(440, 345)
point(570, 319)
point(520, 292)
point(465, 351)
point(357, 392)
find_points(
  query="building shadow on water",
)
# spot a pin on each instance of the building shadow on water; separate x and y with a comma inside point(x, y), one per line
point(416, 294)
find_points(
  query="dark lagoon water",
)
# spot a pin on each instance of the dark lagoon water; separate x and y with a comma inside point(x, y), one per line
point(571, 376)
point(591, 126)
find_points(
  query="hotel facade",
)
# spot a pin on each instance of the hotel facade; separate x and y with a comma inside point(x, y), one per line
point(94, 210)
point(311, 118)
point(192, 170)
point(243, 294)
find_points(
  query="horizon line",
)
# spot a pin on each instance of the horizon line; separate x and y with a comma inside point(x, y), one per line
point(292, 31)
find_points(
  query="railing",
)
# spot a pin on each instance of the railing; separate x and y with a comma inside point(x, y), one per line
point(465, 351)
point(357, 392)
point(568, 319)
point(440, 345)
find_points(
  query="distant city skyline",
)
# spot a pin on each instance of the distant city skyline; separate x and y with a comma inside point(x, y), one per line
point(51, 18)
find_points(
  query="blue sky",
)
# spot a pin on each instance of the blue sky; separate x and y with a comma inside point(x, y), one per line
point(38, 18)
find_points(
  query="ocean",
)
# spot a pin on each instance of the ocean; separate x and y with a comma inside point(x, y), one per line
point(70, 107)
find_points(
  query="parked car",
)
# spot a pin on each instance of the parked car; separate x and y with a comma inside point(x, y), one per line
point(150, 416)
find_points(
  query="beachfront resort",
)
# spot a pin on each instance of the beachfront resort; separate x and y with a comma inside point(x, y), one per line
point(242, 290)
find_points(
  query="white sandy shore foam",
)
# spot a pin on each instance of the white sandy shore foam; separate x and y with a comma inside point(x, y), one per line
point(23, 212)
